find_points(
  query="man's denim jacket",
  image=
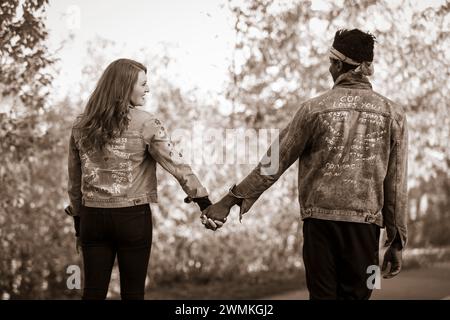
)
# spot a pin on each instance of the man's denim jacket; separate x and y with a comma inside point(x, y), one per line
point(124, 173)
point(351, 144)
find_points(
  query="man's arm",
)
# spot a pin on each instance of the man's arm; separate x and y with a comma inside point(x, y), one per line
point(286, 149)
point(395, 211)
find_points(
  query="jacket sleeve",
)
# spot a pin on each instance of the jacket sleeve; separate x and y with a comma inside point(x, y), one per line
point(395, 206)
point(285, 149)
point(74, 184)
point(162, 149)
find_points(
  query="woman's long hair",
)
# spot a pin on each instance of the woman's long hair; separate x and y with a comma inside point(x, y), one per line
point(106, 114)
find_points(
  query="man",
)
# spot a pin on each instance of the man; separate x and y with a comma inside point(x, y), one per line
point(351, 143)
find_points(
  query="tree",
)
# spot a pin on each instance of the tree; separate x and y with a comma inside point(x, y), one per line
point(23, 52)
point(24, 76)
point(24, 88)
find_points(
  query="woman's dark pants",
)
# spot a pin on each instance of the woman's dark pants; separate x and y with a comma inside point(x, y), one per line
point(107, 232)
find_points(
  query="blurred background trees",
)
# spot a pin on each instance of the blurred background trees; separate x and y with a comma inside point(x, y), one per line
point(30, 228)
point(280, 60)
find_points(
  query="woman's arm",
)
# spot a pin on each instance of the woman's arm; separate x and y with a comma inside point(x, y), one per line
point(162, 149)
point(74, 184)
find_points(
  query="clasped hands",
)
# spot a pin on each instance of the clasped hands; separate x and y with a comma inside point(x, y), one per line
point(215, 215)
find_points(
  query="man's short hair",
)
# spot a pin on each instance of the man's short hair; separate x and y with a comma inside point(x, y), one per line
point(355, 44)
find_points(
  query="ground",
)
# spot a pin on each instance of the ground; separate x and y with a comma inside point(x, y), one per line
point(431, 282)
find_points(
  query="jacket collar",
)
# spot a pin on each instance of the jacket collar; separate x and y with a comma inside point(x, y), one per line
point(352, 80)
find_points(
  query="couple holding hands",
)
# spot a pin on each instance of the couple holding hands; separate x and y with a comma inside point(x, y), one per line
point(350, 144)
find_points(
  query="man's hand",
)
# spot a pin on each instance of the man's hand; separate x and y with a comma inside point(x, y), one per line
point(78, 245)
point(393, 256)
point(216, 215)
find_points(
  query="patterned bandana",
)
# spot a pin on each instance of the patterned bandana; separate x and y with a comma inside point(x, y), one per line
point(365, 68)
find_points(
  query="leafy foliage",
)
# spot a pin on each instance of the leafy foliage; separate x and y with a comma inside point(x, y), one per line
point(27, 223)
point(280, 60)
point(23, 53)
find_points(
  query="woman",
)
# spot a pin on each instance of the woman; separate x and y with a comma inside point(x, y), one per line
point(114, 148)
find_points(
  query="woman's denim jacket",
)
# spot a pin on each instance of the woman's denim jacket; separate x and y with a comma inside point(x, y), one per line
point(124, 173)
point(351, 144)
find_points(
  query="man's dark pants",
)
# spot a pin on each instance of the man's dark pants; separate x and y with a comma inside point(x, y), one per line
point(336, 256)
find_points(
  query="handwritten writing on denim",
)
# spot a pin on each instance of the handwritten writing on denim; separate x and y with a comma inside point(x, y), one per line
point(352, 137)
point(122, 176)
point(119, 165)
point(353, 102)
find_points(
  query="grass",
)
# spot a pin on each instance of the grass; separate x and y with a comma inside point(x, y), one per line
point(259, 286)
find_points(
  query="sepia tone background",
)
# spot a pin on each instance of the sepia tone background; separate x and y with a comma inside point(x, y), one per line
point(221, 64)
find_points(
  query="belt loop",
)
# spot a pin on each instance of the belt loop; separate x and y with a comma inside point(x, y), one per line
point(370, 218)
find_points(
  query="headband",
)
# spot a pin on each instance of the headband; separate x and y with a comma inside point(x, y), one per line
point(365, 68)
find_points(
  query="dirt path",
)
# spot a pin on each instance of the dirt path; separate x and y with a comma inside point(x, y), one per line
point(427, 283)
